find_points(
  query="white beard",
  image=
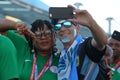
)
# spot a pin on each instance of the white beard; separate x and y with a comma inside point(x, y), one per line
point(66, 40)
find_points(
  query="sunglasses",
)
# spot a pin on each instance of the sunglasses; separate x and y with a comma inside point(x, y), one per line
point(46, 33)
point(66, 24)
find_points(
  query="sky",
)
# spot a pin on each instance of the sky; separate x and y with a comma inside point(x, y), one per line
point(99, 9)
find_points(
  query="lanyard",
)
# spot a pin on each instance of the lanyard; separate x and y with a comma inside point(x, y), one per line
point(34, 68)
point(118, 63)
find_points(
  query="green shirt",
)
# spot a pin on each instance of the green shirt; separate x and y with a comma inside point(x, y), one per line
point(8, 61)
point(25, 59)
point(116, 73)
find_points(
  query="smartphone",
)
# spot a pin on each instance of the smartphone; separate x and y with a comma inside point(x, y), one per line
point(60, 13)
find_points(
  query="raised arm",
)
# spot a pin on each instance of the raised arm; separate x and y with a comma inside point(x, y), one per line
point(10, 25)
point(7, 25)
point(83, 17)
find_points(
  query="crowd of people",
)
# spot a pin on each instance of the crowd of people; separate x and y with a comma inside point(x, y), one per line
point(31, 54)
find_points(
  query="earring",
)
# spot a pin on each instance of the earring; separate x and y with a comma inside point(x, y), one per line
point(33, 50)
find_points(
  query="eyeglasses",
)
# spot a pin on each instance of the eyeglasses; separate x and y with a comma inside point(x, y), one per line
point(66, 24)
point(46, 33)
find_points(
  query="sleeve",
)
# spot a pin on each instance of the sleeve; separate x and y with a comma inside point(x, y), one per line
point(94, 54)
point(21, 46)
point(18, 40)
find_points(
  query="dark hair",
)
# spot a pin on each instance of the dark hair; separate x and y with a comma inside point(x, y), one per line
point(40, 24)
point(35, 25)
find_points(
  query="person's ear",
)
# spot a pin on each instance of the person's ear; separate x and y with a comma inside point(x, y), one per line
point(78, 28)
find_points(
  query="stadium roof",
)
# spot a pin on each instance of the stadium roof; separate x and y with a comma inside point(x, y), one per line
point(20, 10)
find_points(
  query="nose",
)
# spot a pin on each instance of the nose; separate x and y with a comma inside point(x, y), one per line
point(62, 28)
point(43, 36)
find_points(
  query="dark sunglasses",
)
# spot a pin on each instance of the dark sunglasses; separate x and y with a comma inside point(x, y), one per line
point(66, 24)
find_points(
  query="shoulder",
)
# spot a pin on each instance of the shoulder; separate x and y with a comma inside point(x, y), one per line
point(6, 46)
point(85, 45)
point(87, 48)
point(16, 38)
point(12, 34)
point(3, 38)
point(5, 42)
point(86, 42)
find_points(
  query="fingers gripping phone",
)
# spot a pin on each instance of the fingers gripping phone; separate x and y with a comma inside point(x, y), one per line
point(60, 13)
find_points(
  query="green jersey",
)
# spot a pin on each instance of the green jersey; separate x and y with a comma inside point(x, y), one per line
point(116, 72)
point(8, 60)
point(25, 60)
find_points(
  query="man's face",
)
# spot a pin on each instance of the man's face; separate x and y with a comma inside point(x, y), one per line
point(115, 45)
point(44, 39)
point(66, 31)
